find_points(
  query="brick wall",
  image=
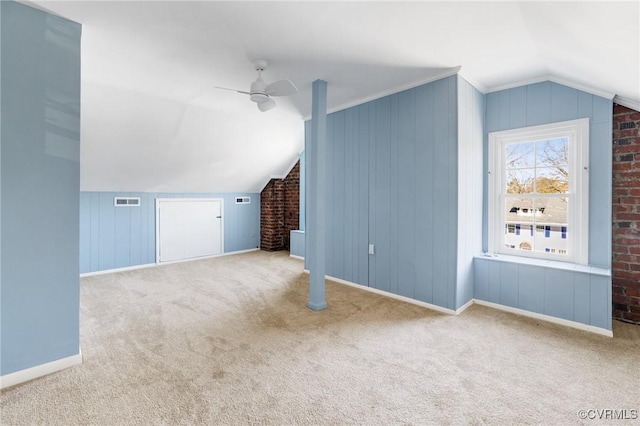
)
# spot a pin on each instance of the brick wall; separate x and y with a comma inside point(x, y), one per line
point(279, 210)
point(626, 214)
point(272, 216)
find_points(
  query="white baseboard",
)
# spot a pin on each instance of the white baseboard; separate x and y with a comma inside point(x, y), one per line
point(541, 317)
point(27, 374)
point(395, 296)
point(111, 271)
point(464, 307)
point(151, 265)
point(296, 257)
point(547, 318)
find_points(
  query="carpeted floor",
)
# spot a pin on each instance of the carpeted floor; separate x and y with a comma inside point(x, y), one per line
point(230, 341)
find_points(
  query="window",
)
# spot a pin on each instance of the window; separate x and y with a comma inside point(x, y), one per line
point(538, 180)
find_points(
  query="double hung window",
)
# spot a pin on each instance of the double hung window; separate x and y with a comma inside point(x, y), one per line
point(538, 191)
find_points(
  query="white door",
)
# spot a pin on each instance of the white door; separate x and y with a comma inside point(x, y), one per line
point(188, 228)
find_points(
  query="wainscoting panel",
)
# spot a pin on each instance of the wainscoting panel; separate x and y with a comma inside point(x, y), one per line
point(581, 295)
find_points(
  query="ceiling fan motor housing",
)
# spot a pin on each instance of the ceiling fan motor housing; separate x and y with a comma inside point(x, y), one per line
point(257, 93)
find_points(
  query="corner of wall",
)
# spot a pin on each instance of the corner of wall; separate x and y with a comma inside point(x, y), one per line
point(39, 304)
point(470, 113)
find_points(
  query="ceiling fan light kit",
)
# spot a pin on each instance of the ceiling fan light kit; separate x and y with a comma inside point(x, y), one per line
point(261, 93)
point(258, 97)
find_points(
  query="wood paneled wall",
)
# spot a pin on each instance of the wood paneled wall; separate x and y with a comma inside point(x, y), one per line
point(118, 237)
point(393, 183)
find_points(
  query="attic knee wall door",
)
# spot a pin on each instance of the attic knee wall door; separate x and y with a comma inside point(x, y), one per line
point(188, 229)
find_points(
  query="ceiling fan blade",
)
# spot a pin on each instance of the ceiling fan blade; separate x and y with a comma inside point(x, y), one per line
point(281, 88)
point(266, 106)
point(233, 90)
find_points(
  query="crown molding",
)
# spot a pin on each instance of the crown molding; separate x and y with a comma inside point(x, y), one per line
point(629, 103)
point(475, 83)
point(554, 79)
point(447, 73)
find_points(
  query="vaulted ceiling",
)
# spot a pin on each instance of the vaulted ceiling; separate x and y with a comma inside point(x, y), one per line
point(152, 119)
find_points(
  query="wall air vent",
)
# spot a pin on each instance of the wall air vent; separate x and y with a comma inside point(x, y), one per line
point(243, 200)
point(126, 201)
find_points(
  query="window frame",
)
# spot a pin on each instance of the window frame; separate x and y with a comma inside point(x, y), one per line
point(577, 132)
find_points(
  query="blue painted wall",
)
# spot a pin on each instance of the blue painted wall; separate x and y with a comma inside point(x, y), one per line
point(548, 102)
point(470, 176)
point(297, 246)
point(580, 294)
point(405, 174)
point(348, 193)
point(117, 237)
point(393, 182)
point(40, 184)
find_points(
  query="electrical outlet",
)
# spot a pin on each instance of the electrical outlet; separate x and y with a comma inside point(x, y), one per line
point(371, 249)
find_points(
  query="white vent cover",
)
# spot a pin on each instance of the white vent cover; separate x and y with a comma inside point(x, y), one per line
point(243, 200)
point(126, 201)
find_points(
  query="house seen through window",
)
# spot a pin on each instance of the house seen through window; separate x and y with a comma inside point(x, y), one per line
point(538, 191)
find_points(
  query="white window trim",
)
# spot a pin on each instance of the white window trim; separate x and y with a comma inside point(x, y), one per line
point(578, 133)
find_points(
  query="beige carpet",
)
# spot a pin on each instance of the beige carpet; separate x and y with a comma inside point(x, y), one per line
point(230, 341)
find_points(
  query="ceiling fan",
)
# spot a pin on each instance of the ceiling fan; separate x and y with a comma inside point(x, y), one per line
point(262, 92)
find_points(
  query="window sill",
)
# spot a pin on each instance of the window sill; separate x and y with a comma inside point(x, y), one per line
point(567, 266)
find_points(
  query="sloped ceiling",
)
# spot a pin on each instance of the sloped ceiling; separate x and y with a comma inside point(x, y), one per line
point(153, 121)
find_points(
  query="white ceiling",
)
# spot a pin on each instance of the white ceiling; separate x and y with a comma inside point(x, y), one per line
point(153, 121)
